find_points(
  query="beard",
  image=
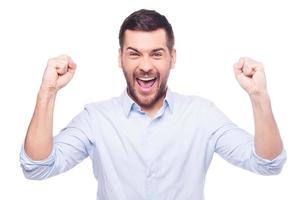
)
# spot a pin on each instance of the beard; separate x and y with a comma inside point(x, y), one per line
point(146, 101)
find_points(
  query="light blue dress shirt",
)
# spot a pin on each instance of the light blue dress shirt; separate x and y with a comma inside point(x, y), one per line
point(136, 157)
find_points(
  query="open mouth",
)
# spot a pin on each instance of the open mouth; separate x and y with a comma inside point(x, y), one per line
point(146, 83)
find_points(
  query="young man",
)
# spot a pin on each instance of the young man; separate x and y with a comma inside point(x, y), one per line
point(150, 143)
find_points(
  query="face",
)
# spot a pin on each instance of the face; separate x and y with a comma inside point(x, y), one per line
point(146, 62)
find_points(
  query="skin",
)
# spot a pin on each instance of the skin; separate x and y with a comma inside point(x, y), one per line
point(39, 137)
point(250, 75)
point(145, 55)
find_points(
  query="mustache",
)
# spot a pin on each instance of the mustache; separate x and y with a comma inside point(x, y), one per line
point(142, 74)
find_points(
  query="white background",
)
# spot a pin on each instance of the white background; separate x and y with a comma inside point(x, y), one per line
point(210, 36)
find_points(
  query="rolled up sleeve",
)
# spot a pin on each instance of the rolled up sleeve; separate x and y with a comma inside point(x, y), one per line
point(268, 167)
point(70, 147)
point(237, 147)
point(36, 169)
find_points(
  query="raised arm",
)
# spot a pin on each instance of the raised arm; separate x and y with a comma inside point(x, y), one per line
point(251, 76)
point(39, 138)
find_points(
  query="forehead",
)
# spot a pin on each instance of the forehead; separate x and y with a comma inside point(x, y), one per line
point(145, 40)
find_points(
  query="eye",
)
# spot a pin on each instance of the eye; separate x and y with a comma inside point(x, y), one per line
point(157, 55)
point(133, 54)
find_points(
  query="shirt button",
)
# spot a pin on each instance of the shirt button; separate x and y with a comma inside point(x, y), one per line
point(150, 173)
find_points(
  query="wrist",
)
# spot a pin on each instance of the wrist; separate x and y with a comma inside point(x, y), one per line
point(47, 93)
point(261, 102)
point(259, 96)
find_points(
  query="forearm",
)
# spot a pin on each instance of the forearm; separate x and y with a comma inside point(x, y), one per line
point(39, 138)
point(268, 143)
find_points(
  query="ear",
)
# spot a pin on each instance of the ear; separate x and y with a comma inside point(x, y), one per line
point(173, 57)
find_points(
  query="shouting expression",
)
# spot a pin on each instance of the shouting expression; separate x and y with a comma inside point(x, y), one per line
point(146, 61)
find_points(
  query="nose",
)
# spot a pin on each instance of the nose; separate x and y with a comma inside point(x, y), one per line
point(146, 64)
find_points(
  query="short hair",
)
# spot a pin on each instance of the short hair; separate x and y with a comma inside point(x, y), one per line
point(147, 20)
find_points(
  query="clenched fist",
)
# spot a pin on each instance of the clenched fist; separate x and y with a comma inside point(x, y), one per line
point(251, 76)
point(58, 73)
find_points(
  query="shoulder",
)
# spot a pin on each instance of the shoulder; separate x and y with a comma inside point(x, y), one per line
point(198, 107)
point(191, 101)
point(107, 105)
point(201, 110)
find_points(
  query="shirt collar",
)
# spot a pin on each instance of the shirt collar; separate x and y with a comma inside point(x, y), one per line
point(128, 103)
point(169, 99)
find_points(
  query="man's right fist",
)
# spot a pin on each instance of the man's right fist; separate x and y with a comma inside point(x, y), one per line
point(58, 73)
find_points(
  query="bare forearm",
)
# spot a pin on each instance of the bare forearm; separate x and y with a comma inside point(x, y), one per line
point(251, 76)
point(268, 143)
point(39, 138)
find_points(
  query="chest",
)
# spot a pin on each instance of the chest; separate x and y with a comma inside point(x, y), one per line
point(143, 141)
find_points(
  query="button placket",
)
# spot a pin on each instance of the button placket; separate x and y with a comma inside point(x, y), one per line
point(150, 173)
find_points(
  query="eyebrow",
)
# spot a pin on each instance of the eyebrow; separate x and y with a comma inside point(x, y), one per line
point(158, 49)
point(152, 51)
point(131, 48)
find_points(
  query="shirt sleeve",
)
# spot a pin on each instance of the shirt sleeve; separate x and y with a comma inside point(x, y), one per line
point(70, 147)
point(236, 146)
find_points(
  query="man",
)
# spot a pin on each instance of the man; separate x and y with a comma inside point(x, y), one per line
point(150, 143)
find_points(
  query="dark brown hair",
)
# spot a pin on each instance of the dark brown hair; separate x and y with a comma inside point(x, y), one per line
point(146, 20)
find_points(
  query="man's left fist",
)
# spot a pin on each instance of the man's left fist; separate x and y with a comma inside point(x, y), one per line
point(251, 76)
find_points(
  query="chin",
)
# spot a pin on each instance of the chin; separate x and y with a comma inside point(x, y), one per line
point(146, 101)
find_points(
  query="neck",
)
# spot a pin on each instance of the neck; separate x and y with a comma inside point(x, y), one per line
point(152, 110)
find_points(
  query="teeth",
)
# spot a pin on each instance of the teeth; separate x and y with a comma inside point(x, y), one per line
point(146, 79)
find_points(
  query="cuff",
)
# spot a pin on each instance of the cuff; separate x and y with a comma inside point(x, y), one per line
point(281, 157)
point(269, 167)
point(28, 163)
